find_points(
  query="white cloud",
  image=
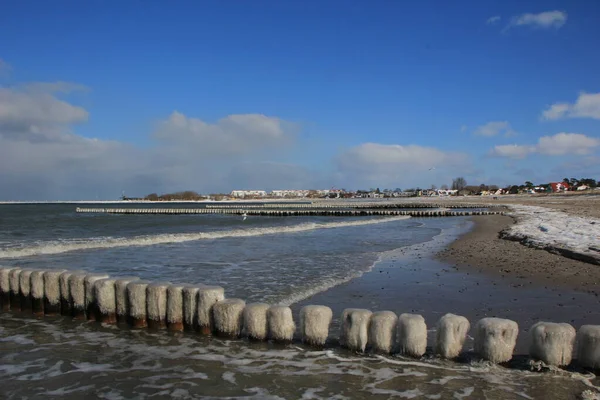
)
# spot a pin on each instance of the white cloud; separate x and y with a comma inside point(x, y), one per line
point(42, 158)
point(493, 20)
point(544, 20)
point(512, 151)
point(235, 134)
point(557, 145)
point(567, 143)
point(37, 115)
point(379, 164)
point(494, 128)
point(586, 106)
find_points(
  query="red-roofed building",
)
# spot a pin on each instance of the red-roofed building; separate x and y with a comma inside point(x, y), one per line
point(560, 187)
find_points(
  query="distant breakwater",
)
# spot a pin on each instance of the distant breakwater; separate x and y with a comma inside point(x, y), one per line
point(201, 309)
point(287, 213)
point(357, 205)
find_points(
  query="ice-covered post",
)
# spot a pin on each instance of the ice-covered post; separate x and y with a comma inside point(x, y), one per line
point(190, 306)
point(495, 339)
point(77, 294)
point(281, 323)
point(314, 324)
point(52, 291)
point(106, 299)
point(15, 294)
point(136, 298)
point(208, 296)
point(450, 335)
point(552, 343)
point(175, 307)
point(25, 289)
point(412, 335)
point(91, 306)
point(354, 330)
point(382, 331)
point(255, 321)
point(4, 289)
point(37, 292)
point(66, 305)
point(121, 298)
point(588, 346)
point(228, 316)
point(156, 303)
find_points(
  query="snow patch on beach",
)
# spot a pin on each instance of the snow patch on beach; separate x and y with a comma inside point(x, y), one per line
point(556, 231)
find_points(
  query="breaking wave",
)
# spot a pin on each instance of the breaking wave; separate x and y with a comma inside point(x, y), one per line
point(58, 247)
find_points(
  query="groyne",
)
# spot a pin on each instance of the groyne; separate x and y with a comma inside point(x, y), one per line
point(287, 213)
point(138, 304)
point(324, 204)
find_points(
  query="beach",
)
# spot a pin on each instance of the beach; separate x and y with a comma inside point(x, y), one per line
point(427, 266)
point(482, 250)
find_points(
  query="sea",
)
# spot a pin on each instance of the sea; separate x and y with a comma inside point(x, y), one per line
point(277, 260)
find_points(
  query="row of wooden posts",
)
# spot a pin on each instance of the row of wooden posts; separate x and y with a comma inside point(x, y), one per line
point(285, 213)
point(139, 304)
point(354, 205)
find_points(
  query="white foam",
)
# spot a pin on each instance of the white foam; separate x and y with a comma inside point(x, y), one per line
point(58, 247)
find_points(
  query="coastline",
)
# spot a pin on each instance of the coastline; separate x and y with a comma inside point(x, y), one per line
point(482, 250)
point(452, 274)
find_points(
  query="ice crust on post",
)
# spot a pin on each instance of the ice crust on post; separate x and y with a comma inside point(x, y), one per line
point(314, 324)
point(354, 331)
point(382, 331)
point(412, 335)
point(495, 339)
point(450, 335)
point(552, 343)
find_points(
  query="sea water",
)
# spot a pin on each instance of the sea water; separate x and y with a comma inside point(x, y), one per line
point(278, 260)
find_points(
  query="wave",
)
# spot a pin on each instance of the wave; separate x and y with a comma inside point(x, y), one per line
point(430, 247)
point(58, 247)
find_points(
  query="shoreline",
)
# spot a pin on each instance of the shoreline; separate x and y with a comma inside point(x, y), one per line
point(516, 263)
point(451, 274)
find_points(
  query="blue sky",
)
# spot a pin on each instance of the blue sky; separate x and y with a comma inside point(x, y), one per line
point(213, 96)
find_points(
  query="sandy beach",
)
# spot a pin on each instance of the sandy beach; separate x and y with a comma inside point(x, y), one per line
point(473, 272)
point(481, 250)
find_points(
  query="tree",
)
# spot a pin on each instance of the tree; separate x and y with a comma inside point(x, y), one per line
point(433, 187)
point(152, 197)
point(459, 183)
point(528, 184)
point(514, 189)
point(444, 187)
point(574, 182)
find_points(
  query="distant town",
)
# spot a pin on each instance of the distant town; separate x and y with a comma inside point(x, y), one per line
point(459, 187)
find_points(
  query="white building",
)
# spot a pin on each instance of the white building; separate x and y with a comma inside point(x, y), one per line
point(289, 193)
point(248, 193)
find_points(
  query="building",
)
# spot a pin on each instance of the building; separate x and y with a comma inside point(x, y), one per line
point(289, 193)
point(558, 187)
point(240, 194)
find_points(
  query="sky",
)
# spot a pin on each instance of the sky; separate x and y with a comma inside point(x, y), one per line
point(98, 98)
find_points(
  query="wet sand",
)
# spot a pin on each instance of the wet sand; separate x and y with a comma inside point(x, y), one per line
point(421, 279)
point(481, 250)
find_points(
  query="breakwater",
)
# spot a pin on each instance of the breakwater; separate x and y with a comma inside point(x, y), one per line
point(356, 205)
point(202, 309)
point(287, 213)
